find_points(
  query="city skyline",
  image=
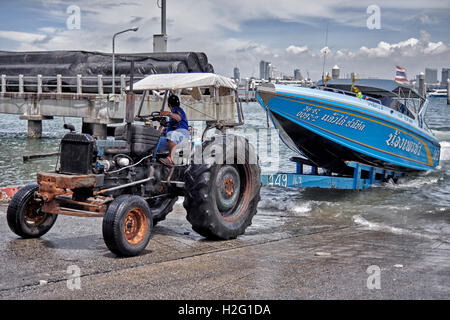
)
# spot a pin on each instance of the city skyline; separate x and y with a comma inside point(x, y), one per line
point(431, 75)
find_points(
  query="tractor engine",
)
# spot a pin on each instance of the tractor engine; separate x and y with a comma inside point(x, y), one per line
point(119, 161)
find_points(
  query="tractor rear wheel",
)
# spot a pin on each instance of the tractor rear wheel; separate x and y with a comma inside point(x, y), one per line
point(222, 197)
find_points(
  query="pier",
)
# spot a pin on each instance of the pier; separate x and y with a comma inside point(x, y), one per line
point(87, 98)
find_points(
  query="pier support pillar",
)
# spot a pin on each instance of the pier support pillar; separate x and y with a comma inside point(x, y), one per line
point(34, 125)
point(98, 130)
point(422, 89)
point(247, 86)
point(448, 91)
point(34, 129)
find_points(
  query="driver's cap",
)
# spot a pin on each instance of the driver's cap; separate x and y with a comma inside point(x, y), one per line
point(173, 101)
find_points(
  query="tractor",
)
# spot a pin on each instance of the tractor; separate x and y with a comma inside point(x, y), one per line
point(123, 180)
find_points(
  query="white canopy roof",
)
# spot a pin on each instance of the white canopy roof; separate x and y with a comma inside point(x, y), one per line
point(175, 81)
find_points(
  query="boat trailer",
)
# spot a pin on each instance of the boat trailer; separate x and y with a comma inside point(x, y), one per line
point(364, 176)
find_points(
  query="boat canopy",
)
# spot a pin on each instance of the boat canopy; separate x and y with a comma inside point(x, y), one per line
point(176, 81)
point(374, 87)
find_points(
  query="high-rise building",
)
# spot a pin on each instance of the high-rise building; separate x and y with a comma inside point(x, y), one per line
point(431, 76)
point(264, 70)
point(417, 82)
point(297, 74)
point(274, 73)
point(237, 74)
point(269, 71)
point(445, 76)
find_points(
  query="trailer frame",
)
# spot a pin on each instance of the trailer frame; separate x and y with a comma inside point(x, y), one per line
point(364, 176)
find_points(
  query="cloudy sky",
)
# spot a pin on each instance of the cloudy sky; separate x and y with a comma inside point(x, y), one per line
point(289, 33)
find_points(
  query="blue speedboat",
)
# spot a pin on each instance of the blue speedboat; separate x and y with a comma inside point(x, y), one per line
point(438, 93)
point(375, 122)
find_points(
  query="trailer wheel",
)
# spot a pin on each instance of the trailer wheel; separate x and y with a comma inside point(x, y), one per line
point(24, 214)
point(127, 226)
point(161, 207)
point(221, 199)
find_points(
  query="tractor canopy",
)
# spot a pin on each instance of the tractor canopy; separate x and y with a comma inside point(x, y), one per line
point(204, 96)
point(177, 81)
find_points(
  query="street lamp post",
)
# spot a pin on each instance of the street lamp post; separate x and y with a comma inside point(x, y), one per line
point(113, 57)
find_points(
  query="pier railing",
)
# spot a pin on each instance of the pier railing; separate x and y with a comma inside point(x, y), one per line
point(59, 84)
point(37, 98)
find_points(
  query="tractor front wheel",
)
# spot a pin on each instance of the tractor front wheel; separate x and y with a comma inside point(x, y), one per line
point(127, 226)
point(25, 216)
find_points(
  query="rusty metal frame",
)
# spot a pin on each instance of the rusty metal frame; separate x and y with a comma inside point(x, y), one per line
point(55, 184)
point(94, 207)
point(55, 190)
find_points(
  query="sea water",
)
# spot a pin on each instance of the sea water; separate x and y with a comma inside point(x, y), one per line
point(417, 205)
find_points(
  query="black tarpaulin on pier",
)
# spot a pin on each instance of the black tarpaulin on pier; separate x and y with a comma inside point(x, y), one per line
point(69, 64)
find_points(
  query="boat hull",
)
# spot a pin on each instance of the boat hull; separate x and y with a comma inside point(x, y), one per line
point(330, 132)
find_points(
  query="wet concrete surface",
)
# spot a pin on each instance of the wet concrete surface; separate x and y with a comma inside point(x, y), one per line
point(279, 257)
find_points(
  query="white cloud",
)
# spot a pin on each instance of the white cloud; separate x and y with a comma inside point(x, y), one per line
point(409, 48)
point(48, 29)
point(426, 19)
point(436, 48)
point(344, 53)
point(24, 37)
point(296, 49)
point(414, 54)
point(204, 25)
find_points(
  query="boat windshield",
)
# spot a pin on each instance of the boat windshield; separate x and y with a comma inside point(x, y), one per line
point(400, 105)
point(396, 96)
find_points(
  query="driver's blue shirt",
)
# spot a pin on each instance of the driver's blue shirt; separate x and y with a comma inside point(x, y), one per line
point(174, 124)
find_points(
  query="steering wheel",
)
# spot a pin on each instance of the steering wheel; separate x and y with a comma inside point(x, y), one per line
point(156, 116)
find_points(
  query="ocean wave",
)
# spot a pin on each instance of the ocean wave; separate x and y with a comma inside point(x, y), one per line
point(287, 206)
point(302, 210)
point(445, 150)
point(440, 129)
point(412, 183)
point(442, 136)
point(359, 220)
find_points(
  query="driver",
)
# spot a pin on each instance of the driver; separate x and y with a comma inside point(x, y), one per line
point(178, 128)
